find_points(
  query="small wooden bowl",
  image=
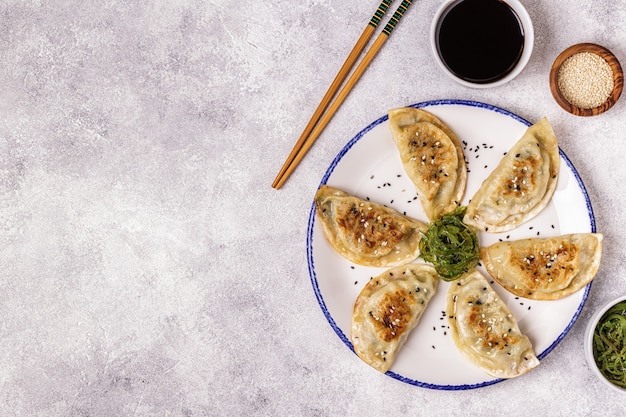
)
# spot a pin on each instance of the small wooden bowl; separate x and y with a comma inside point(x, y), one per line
point(618, 78)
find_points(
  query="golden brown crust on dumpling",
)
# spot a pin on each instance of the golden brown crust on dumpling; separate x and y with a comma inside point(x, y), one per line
point(545, 269)
point(432, 157)
point(388, 309)
point(522, 184)
point(364, 232)
point(484, 329)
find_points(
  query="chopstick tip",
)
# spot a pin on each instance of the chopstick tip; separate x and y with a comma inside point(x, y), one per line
point(277, 182)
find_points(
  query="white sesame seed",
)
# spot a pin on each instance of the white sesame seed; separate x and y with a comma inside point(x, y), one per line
point(585, 80)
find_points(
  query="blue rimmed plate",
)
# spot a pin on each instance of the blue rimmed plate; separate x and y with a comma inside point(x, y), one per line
point(369, 166)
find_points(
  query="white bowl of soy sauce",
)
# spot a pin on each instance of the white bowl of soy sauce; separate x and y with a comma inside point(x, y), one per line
point(482, 43)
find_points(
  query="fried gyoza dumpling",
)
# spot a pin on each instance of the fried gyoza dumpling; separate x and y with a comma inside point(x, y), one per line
point(484, 329)
point(521, 185)
point(432, 157)
point(545, 269)
point(388, 309)
point(367, 233)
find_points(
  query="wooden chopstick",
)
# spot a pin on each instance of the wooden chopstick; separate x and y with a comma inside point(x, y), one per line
point(305, 142)
point(339, 78)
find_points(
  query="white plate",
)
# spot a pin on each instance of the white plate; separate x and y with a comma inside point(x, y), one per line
point(369, 166)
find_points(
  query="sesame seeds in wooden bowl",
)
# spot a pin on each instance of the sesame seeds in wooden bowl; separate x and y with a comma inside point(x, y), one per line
point(586, 79)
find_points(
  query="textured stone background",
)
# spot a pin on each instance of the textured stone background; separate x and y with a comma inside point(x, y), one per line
point(147, 268)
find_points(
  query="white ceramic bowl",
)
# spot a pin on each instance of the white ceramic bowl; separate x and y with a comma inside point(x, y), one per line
point(593, 322)
point(529, 40)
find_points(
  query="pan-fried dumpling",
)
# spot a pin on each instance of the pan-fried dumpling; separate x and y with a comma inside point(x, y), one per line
point(388, 309)
point(521, 185)
point(484, 329)
point(432, 157)
point(545, 269)
point(367, 233)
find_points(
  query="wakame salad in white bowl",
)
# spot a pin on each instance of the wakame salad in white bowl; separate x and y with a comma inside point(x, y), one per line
point(605, 344)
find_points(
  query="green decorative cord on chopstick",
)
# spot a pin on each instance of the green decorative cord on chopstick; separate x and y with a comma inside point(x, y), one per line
point(396, 17)
point(380, 12)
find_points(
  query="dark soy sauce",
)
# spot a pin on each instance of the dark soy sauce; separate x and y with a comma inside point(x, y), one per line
point(480, 41)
